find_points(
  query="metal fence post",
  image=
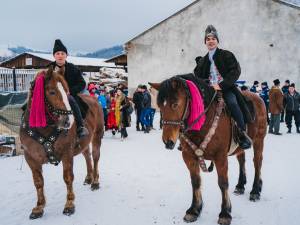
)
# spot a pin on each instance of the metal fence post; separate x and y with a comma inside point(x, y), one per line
point(14, 79)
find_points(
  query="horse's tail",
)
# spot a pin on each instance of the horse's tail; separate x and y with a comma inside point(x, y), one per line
point(211, 167)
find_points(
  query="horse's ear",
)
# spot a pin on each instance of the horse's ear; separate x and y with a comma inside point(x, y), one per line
point(156, 86)
point(49, 72)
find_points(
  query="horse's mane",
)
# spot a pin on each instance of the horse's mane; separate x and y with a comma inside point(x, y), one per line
point(167, 90)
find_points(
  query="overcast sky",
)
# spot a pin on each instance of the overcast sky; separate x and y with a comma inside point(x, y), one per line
point(83, 25)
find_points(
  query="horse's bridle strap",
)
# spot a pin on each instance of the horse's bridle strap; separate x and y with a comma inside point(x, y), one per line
point(199, 151)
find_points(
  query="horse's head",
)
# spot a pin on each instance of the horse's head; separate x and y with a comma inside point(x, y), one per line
point(56, 91)
point(181, 100)
point(172, 100)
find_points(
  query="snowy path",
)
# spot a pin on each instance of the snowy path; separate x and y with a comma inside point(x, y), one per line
point(142, 183)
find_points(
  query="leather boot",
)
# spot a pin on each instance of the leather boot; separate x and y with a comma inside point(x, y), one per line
point(244, 141)
point(82, 132)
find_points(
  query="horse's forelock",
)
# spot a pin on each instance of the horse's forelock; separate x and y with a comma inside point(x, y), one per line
point(168, 90)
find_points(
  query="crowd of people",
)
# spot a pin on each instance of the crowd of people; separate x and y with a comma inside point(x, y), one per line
point(282, 103)
point(117, 107)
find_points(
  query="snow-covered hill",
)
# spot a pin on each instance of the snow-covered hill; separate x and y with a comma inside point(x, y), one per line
point(144, 184)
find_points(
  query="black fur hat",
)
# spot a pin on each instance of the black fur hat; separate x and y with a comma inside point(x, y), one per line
point(276, 82)
point(211, 31)
point(59, 46)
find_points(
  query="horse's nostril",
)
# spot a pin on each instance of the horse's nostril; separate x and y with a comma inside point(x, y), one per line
point(170, 144)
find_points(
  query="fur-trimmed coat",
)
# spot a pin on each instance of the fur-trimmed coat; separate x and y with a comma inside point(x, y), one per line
point(276, 100)
point(76, 84)
point(230, 70)
point(227, 65)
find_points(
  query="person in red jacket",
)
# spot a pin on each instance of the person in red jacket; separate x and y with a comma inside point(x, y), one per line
point(111, 117)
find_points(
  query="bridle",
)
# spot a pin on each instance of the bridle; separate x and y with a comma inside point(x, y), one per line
point(52, 111)
point(56, 112)
point(184, 127)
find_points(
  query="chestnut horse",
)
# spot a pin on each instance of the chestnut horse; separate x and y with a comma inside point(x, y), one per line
point(173, 100)
point(61, 139)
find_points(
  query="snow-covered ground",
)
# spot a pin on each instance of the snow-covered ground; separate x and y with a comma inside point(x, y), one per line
point(142, 183)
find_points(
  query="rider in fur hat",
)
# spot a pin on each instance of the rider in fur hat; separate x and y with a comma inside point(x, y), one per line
point(75, 82)
point(222, 70)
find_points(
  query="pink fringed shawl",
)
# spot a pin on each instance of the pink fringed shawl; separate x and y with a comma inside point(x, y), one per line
point(37, 116)
point(196, 107)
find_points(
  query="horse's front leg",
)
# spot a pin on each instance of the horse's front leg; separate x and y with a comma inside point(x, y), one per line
point(240, 187)
point(68, 178)
point(196, 207)
point(222, 169)
point(38, 180)
point(96, 144)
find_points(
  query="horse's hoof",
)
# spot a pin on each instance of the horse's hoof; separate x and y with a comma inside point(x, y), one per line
point(95, 186)
point(254, 197)
point(239, 191)
point(189, 218)
point(224, 221)
point(69, 211)
point(34, 216)
point(87, 181)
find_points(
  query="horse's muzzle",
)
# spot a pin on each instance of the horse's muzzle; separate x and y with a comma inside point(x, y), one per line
point(169, 144)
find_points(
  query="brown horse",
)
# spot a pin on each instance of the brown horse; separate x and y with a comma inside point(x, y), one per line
point(61, 128)
point(173, 99)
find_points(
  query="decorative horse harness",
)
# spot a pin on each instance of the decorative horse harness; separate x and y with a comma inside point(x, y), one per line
point(184, 128)
point(47, 142)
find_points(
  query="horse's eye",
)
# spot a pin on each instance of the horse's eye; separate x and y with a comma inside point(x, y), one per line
point(52, 92)
point(174, 106)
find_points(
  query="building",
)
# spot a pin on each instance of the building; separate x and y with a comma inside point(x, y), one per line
point(263, 34)
point(119, 60)
point(29, 60)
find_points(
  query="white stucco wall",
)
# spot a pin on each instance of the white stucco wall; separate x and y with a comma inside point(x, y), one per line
point(245, 27)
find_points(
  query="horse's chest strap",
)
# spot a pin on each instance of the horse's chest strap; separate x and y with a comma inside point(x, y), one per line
point(199, 151)
point(46, 142)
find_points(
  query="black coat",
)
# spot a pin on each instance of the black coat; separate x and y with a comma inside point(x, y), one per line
point(74, 78)
point(230, 70)
point(76, 84)
point(227, 65)
point(138, 100)
point(125, 117)
point(291, 102)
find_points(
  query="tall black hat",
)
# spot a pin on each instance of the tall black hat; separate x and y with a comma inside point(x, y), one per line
point(59, 46)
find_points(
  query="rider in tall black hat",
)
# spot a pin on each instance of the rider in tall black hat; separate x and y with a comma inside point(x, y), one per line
point(75, 82)
point(222, 70)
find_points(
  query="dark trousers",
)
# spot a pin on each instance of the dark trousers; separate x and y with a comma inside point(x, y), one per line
point(105, 116)
point(145, 117)
point(124, 133)
point(138, 117)
point(233, 106)
point(289, 117)
point(274, 123)
point(76, 111)
point(282, 116)
point(152, 113)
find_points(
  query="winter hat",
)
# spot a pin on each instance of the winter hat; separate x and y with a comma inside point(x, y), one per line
point(256, 82)
point(59, 46)
point(292, 85)
point(276, 82)
point(211, 31)
point(264, 83)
